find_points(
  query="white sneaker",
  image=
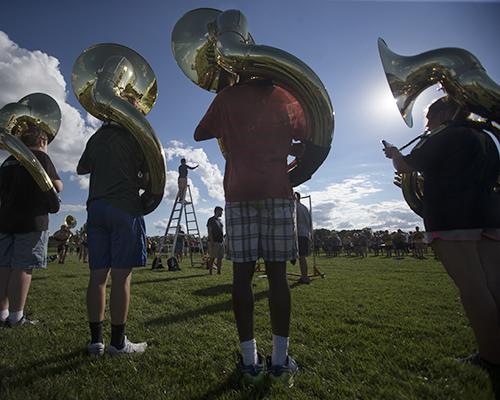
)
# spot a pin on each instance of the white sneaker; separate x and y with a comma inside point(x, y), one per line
point(128, 348)
point(23, 321)
point(95, 349)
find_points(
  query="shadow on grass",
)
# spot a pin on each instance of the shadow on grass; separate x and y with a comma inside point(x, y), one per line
point(207, 310)
point(25, 375)
point(494, 375)
point(38, 278)
point(172, 278)
point(228, 386)
point(213, 290)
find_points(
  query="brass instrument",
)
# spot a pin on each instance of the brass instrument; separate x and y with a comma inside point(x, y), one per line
point(206, 41)
point(114, 83)
point(70, 221)
point(36, 109)
point(462, 77)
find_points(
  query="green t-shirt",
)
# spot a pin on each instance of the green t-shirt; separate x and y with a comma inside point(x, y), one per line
point(114, 160)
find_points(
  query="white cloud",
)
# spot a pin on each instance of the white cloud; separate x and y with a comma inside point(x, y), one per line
point(25, 71)
point(161, 225)
point(73, 208)
point(210, 173)
point(83, 180)
point(346, 205)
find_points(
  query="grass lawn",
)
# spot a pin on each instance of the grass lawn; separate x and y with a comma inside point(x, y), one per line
point(374, 328)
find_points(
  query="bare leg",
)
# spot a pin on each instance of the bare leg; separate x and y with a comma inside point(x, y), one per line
point(4, 284)
point(19, 286)
point(210, 264)
point(243, 301)
point(303, 269)
point(462, 261)
point(218, 263)
point(96, 294)
point(279, 298)
point(120, 295)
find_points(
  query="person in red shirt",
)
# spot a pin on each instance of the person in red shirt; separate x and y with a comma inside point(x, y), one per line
point(256, 123)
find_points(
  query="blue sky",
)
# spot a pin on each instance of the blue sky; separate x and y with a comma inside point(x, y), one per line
point(39, 42)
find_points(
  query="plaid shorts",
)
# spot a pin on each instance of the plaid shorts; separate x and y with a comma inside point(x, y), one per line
point(261, 229)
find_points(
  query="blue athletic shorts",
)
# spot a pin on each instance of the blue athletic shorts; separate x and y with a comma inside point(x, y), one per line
point(24, 250)
point(116, 239)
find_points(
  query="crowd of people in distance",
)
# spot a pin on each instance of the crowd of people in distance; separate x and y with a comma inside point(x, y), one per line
point(361, 243)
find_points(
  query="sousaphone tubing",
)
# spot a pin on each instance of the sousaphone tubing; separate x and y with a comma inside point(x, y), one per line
point(206, 41)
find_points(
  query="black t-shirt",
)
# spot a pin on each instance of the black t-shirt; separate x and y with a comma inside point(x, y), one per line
point(460, 165)
point(183, 171)
point(215, 227)
point(114, 159)
point(23, 205)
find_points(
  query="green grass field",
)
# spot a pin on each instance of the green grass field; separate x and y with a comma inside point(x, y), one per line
point(374, 328)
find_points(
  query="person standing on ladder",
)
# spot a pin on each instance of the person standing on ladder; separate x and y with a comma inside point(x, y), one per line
point(182, 180)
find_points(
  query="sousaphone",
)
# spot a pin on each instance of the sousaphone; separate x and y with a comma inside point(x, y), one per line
point(115, 83)
point(42, 111)
point(70, 221)
point(461, 76)
point(206, 41)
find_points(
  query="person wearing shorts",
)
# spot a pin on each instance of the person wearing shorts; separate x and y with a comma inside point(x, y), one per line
point(460, 163)
point(182, 180)
point(304, 225)
point(24, 224)
point(215, 241)
point(257, 122)
point(116, 233)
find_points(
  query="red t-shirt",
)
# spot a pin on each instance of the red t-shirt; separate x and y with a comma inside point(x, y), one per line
point(256, 122)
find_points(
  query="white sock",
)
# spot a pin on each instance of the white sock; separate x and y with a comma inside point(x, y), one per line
point(4, 314)
point(249, 352)
point(15, 316)
point(280, 350)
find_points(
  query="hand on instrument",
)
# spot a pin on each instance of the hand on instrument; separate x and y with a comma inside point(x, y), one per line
point(297, 149)
point(390, 150)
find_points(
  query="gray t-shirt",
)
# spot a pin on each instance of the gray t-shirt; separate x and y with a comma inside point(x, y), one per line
point(114, 159)
point(303, 220)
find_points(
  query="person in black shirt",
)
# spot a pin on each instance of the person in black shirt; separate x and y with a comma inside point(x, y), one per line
point(182, 180)
point(215, 241)
point(116, 232)
point(460, 164)
point(24, 224)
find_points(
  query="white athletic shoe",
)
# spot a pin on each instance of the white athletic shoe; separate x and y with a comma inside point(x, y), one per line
point(23, 321)
point(128, 348)
point(95, 349)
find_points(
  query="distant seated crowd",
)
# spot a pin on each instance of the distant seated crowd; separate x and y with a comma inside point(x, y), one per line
point(362, 242)
point(332, 243)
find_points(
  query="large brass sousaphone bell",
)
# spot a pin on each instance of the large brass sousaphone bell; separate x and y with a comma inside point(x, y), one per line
point(205, 41)
point(42, 111)
point(462, 77)
point(114, 83)
point(70, 221)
